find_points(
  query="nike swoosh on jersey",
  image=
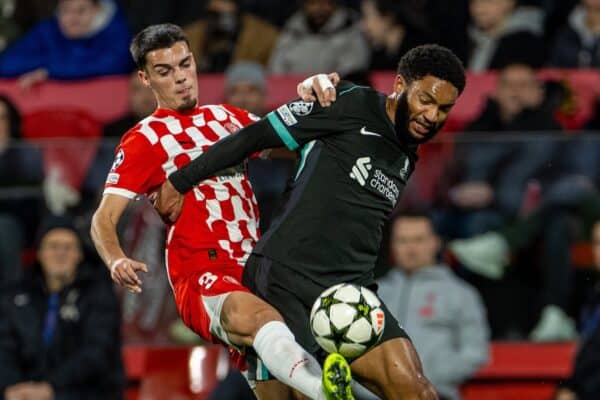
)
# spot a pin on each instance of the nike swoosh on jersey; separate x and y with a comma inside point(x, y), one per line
point(365, 132)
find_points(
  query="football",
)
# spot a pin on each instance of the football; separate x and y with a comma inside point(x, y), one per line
point(347, 319)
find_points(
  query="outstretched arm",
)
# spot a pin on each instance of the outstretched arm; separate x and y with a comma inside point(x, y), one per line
point(123, 270)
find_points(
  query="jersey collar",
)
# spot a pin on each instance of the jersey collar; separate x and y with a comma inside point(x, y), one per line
point(165, 112)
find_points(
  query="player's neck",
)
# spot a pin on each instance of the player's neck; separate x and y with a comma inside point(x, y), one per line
point(171, 111)
point(391, 106)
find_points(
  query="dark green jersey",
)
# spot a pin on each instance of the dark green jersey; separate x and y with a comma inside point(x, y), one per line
point(351, 173)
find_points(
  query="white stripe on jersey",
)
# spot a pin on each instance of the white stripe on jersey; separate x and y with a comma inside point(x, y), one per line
point(121, 192)
point(218, 129)
point(173, 149)
point(199, 139)
point(218, 112)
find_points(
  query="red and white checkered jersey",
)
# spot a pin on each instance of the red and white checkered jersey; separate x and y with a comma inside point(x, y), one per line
point(219, 220)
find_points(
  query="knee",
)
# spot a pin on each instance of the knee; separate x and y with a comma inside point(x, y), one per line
point(245, 317)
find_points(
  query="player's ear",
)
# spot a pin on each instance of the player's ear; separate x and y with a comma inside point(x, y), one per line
point(144, 78)
point(399, 84)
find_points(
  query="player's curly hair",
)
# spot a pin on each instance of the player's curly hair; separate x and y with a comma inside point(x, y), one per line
point(154, 37)
point(434, 60)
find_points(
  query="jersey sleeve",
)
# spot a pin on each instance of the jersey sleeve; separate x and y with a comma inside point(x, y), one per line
point(136, 170)
point(299, 122)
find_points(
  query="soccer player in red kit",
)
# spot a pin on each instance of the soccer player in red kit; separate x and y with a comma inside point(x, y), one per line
point(209, 243)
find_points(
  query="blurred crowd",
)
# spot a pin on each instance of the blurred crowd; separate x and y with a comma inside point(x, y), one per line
point(500, 246)
point(77, 39)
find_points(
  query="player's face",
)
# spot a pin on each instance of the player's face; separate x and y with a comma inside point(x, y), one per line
point(596, 244)
point(171, 73)
point(414, 245)
point(426, 104)
point(59, 253)
point(76, 17)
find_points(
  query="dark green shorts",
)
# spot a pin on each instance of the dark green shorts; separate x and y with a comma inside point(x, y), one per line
point(293, 296)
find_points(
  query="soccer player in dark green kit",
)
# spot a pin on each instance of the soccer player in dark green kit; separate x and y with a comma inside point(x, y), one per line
point(355, 158)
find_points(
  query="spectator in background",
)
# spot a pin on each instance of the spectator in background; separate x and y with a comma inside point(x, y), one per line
point(9, 30)
point(226, 35)
point(19, 16)
point(584, 382)
point(389, 32)
point(86, 38)
point(246, 88)
point(442, 314)
point(141, 104)
point(577, 45)
point(142, 13)
point(59, 327)
point(28, 13)
point(274, 11)
point(493, 174)
point(317, 38)
point(21, 201)
point(502, 33)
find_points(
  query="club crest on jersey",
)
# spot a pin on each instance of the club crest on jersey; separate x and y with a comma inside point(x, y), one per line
point(301, 108)
point(119, 158)
point(231, 128)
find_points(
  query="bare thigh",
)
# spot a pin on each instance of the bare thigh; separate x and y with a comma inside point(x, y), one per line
point(393, 371)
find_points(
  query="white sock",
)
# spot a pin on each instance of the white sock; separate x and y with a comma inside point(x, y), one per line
point(287, 361)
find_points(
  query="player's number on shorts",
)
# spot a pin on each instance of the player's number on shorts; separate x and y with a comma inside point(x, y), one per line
point(207, 280)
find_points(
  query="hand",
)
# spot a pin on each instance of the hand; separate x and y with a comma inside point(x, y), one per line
point(168, 202)
point(123, 271)
point(27, 81)
point(472, 195)
point(565, 394)
point(324, 96)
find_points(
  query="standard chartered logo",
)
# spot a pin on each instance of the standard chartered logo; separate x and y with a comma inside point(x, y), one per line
point(360, 170)
point(378, 180)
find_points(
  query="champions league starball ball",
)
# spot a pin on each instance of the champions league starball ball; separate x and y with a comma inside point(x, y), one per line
point(347, 319)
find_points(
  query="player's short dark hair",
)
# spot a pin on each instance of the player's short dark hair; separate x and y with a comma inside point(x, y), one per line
point(155, 37)
point(434, 60)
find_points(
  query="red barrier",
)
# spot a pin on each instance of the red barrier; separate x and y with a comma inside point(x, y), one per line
point(516, 371)
point(106, 98)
